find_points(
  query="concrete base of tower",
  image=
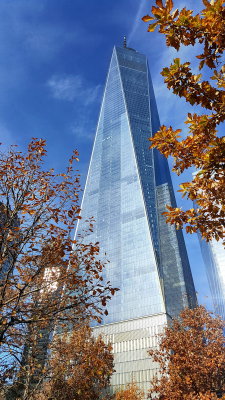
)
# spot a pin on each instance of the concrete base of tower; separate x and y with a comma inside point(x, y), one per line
point(131, 341)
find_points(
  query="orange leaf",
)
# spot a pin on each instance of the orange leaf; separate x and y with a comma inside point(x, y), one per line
point(169, 5)
point(147, 18)
point(159, 3)
point(152, 27)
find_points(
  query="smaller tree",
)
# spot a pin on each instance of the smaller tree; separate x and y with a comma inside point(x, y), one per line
point(47, 278)
point(191, 358)
point(80, 367)
point(131, 392)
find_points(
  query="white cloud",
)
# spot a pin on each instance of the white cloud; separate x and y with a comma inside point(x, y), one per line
point(73, 88)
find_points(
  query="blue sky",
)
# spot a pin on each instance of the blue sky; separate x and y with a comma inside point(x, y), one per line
point(54, 59)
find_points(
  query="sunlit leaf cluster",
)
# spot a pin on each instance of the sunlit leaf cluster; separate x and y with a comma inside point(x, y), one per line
point(79, 369)
point(191, 358)
point(130, 392)
point(202, 147)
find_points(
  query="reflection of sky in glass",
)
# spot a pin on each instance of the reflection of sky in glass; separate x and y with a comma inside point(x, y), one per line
point(214, 257)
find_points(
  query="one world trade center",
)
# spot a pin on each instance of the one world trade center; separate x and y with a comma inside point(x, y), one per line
point(128, 187)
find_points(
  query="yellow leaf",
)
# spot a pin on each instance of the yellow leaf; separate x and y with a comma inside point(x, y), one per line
point(31, 212)
point(152, 27)
point(147, 18)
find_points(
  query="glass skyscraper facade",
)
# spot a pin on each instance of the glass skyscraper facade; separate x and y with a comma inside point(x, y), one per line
point(127, 189)
point(213, 254)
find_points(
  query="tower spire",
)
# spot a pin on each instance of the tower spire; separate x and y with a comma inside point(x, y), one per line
point(125, 42)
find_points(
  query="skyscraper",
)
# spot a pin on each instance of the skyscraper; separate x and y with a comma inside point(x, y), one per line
point(213, 254)
point(126, 191)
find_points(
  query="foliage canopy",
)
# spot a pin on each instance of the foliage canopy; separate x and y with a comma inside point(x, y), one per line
point(203, 148)
point(46, 277)
point(191, 358)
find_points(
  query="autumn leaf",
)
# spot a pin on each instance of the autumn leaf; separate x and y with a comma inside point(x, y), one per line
point(159, 3)
point(206, 3)
point(147, 18)
point(169, 5)
point(152, 27)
